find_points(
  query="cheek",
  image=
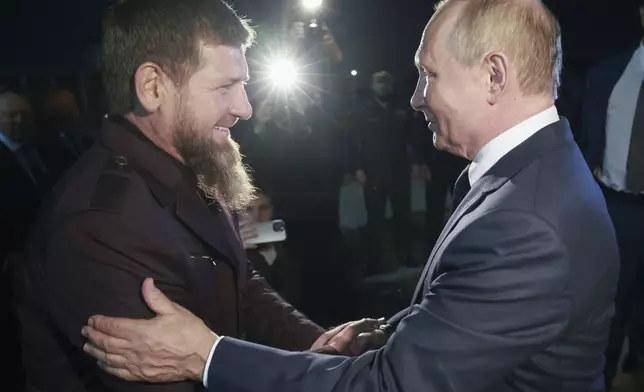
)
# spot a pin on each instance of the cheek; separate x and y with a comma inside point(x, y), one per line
point(209, 109)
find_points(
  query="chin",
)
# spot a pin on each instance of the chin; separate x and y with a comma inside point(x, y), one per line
point(222, 140)
point(439, 143)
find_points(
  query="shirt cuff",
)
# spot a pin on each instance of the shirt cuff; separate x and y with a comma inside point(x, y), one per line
point(205, 370)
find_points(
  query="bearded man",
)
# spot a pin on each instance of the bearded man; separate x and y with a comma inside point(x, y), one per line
point(157, 196)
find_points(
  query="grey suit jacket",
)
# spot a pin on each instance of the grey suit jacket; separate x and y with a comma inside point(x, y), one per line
point(517, 295)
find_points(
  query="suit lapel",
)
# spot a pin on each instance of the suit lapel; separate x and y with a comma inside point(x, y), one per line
point(471, 200)
point(549, 138)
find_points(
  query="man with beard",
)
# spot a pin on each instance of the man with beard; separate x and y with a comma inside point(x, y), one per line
point(156, 196)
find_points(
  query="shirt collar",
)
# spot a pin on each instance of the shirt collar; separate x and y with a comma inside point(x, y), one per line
point(495, 149)
point(12, 145)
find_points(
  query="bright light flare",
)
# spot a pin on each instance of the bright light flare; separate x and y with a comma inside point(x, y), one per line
point(283, 73)
point(311, 5)
point(354, 72)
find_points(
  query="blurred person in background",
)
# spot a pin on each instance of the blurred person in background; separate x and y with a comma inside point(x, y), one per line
point(271, 260)
point(24, 176)
point(380, 158)
point(612, 140)
point(23, 181)
point(62, 138)
point(295, 154)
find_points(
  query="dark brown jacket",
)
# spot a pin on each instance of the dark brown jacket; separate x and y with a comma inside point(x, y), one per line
point(124, 212)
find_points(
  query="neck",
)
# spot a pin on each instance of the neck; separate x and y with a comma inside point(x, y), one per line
point(162, 139)
point(506, 116)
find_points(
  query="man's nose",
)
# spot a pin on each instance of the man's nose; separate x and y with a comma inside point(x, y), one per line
point(241, 107)
point(417, 100)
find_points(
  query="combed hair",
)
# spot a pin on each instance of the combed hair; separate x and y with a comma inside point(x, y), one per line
point(524, 30)
point(168, 33)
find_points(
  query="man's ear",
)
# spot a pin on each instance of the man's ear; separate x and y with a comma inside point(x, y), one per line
point(150, 85)
point(496, 67)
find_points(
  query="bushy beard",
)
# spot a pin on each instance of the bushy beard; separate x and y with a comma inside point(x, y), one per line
point(221, 175)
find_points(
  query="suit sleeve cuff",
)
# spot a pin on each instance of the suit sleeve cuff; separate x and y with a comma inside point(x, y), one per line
point(206, 369)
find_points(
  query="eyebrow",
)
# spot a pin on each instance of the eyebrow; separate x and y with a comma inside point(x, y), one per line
point(231, 81)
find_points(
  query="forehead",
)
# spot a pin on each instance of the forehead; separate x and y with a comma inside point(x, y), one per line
point(434, 39)
point(222, 63)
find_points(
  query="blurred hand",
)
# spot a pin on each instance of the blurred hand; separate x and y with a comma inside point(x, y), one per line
point(247, 231)
point(361, 176)
point(354, 338)
point(421, 172)
point(173, 346)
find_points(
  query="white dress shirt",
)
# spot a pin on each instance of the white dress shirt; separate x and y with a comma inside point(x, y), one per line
point(619, 123)
point(495, 149)
point(212, 351)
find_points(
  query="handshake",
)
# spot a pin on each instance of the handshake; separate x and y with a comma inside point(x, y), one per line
point(353, 338)
point(176, 344)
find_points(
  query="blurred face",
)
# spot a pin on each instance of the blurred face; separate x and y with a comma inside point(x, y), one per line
point(201, 115)
point(62, 109)
point(381, 87)
point(16, 120)
point(450, 95)
point(261, 210)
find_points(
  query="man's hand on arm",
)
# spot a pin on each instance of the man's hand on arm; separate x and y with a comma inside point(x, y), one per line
point(173, 346)
point(176, 345)
point(108, 258)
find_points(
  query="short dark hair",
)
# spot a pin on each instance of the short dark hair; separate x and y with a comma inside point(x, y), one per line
point(168, 33)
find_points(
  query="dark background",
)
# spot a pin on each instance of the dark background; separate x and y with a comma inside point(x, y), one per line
point(52, 36)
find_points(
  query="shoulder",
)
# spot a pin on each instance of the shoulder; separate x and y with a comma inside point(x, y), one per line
point(505, 225)
point(101, 184)
point(114, 181)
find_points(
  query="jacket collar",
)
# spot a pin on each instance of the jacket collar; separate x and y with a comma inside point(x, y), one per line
point(175, 187)
point(550, 138)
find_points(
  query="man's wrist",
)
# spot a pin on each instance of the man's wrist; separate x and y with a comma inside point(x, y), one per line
point(205, 360)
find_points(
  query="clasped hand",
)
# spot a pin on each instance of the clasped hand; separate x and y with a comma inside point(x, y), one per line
point(174, 346)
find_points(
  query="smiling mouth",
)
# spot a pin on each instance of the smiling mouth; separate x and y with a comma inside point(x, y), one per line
point(223, 129)
point(432, 124)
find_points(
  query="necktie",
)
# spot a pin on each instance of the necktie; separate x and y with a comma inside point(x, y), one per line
point(635, 163)
point(461, 188)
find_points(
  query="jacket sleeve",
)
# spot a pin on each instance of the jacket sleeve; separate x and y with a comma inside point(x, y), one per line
point(500, 297)
point(268, 319)
point(95, 263)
